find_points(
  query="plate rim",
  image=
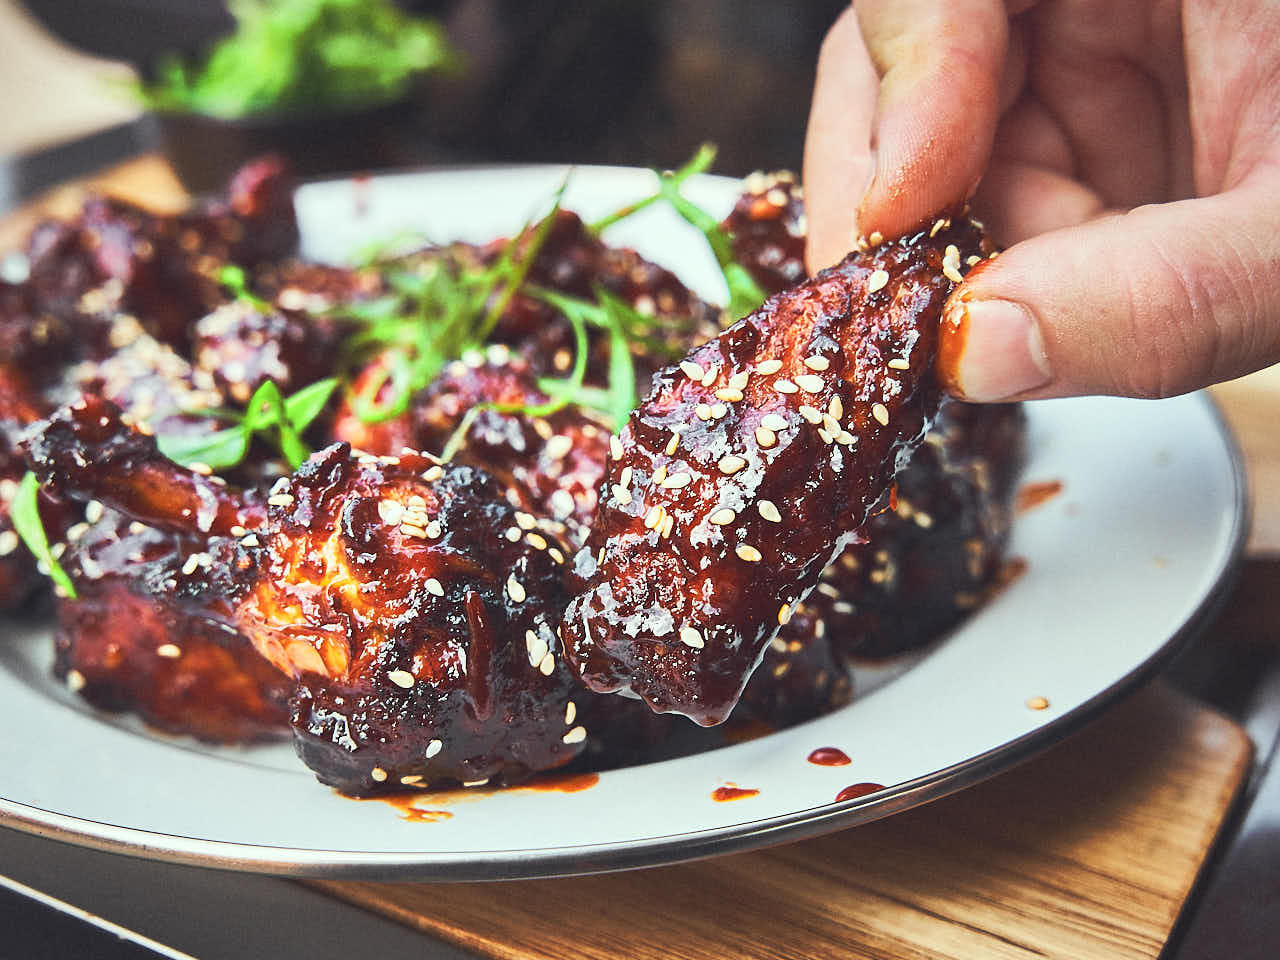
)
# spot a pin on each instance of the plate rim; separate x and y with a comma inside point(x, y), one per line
point(585, 859)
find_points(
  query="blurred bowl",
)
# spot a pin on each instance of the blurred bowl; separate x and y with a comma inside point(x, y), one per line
point(205, 151)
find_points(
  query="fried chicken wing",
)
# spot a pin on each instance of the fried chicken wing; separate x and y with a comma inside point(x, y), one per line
point(414, 609)
point(142, 635)
point(750, 466)
point(769, 228)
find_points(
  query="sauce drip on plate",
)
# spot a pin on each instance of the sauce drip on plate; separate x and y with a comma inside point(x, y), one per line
point(829, 757)
point(858, 790)
point(732, 792)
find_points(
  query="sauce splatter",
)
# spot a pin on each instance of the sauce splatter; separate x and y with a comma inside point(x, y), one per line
point(407, 806)
point(858, 790)
point(829, 757)
point(1033, 494)
point(732, 792)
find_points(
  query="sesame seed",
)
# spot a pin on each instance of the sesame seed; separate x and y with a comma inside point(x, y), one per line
point(769, 511)
point(576, 735)
point(660, 474)
point(515, 590)
point(389, 461)
point(391, 512)
point(434, 587)
point(378, 774)
point(767, 367)
point(951, 264)
point(512, 534)
point(237, 531)
point(536, 646)
point(842, 606)
point(877, 281)
point(200, 467)
point(1038, 703)
point(876, 238)
point(898, 363)
point(827, 590)
point(702, 412)
point(731, 464)
point(93, 511)
point(673, 443)
point(475, 783)
point(170, 651)
point(624, 478)
point(826, 437)
point(811, 414)
point(939, 226)
point(817, 363)
point(831, 424)
point(615, 447)
point(784, 614)
point(836, 408)
point(723, 517)
point(433, 747)
point(547, 665)
point(558, 447)
point(668, 524)
point(774, 422)
point(525, 521)
point(75, 681)
point(74, 532)
point(785, 386)
point(691, 638)
point(748, 553)
point(434, 530)
point(718, 410)
point(728, 395)
point(401, 678)
point(538, 541)
point(739, 380)
point(710, 376)
point(809, 383)
point(881, 413)
point(251, 541)
point(432, 474)
point(556, 555)
point(280, 500)
point(8, 542)
point(766, 437)
point(923, 519)
point(411, 779)
point(676, 481)
point(653, 517)
point(622, 495)
point(189, 567)
point(692, 370)
point(570, 711)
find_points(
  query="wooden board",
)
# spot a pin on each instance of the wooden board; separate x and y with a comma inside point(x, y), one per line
point(1088, 851)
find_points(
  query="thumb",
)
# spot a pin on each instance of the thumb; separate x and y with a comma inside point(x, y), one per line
point(1151, 303)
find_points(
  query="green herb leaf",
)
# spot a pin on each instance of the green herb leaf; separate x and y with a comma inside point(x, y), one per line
point(237, 283)
point(303, 407)
point(220, 450)
point(699, 163)
point(621, 394)
point(25, 514)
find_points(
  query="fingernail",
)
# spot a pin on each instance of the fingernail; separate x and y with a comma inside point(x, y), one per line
point(1002, 353)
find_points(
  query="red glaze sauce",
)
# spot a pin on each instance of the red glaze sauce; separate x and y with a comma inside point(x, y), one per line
point(732, 792)
point(1033, 494)
point(858, 790)
point(829, 757)
point(564, 783)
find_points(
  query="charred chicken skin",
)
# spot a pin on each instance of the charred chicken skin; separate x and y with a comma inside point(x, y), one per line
point(413, 608)
point(750, 466)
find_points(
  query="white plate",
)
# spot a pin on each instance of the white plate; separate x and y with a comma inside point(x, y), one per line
point(1125, 561)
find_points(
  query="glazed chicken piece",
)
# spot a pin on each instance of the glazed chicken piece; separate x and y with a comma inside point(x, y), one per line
point(929, 560)
point(412, 609)
point(164, 267)
point(550, 466)
point(751, 465)
point(142, 636)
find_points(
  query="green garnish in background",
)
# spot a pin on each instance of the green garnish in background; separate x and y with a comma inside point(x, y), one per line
point(303, 56)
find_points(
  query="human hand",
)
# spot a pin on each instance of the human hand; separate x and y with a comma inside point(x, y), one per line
point(1129, 156)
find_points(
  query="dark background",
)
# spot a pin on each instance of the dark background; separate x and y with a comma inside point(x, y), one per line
point(627, 81)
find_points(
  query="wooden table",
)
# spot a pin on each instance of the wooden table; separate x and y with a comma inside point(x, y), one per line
point(1089, 851)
